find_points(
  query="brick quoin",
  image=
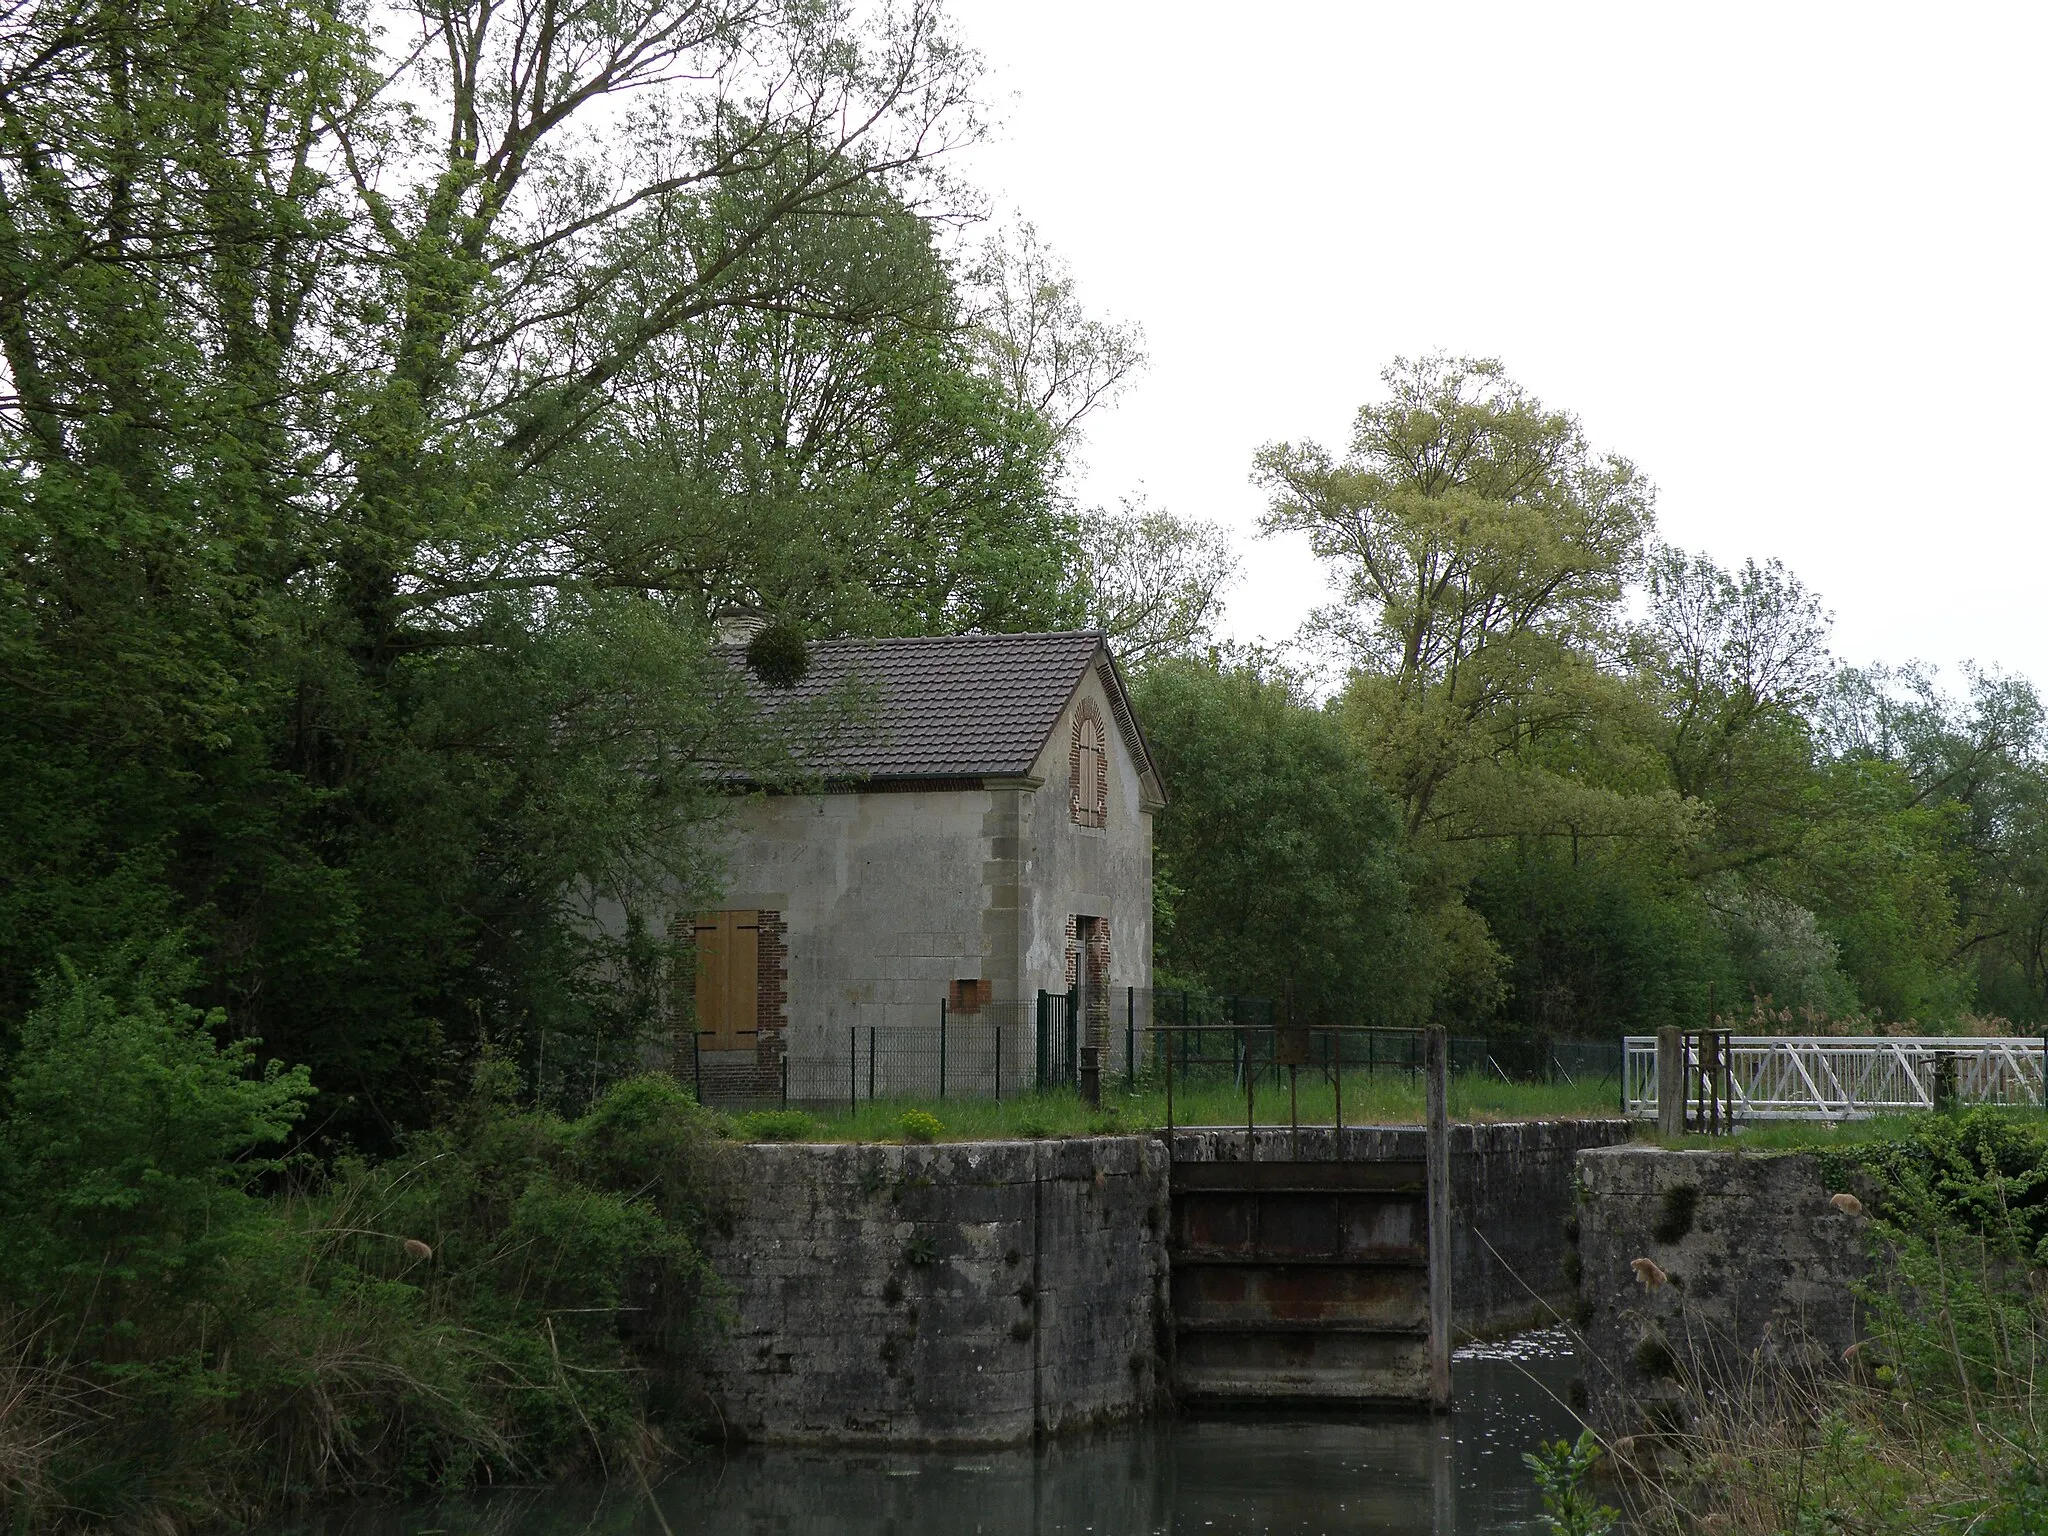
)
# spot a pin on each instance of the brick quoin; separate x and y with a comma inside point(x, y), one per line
point(1097, 973)
point(771, 1010)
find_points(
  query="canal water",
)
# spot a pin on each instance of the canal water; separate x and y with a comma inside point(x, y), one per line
point(1273, 1474)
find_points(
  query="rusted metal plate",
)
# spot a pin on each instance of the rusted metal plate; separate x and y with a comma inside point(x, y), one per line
point(1251, 1293)
point(1304, 1176)
point(1292, 1223)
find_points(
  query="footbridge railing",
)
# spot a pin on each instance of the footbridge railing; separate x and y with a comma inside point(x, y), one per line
point(1840, 1077)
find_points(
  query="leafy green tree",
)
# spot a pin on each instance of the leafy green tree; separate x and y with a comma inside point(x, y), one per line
point(308, 642)
point(131, 1140)
point(1599, 944)
point(842, 458)
point(1282, 852)
point(1154, 582)
point(1482, 545)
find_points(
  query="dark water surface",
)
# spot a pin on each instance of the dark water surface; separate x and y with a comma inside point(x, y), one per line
point(1274, 1474)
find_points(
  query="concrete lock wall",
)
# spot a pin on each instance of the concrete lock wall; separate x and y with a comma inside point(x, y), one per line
point(1753, 1273)
point(981, 1293)
point(975, 1293)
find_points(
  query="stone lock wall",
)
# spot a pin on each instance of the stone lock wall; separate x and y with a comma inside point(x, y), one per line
point(973, 1293)
point(983, 1293)
point(1753, 1273)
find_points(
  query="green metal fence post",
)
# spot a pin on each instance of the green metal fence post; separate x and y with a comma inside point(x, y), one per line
point(1131, 1038)
point(1070, 1071)
point(942, 1047)
point(1044, 1022)
point(853, 1069)
point(999, 1063)
point(871, 1063)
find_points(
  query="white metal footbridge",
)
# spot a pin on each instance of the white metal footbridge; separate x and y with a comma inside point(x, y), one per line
point(1846, 1077)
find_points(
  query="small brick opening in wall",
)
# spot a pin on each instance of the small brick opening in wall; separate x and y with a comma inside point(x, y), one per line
point(967, 995)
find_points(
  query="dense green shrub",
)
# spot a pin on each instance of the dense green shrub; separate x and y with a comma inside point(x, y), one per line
point(190, 1329)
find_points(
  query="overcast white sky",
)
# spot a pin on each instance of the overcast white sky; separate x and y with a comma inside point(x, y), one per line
point(1786, 257)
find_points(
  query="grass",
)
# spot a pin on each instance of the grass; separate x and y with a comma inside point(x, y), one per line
point(1385, 1098)
point(1812, 1135)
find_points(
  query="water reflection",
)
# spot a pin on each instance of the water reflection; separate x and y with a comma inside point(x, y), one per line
point(1292, 1475)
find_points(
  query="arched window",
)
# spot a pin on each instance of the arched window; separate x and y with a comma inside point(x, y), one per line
point(1088, 769)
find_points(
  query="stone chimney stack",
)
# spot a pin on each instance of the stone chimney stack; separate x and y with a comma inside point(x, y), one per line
point(737, 624)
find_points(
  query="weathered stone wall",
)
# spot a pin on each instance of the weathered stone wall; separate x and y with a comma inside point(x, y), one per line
point(966, 1294)
point(1757, 1269)
point(978, 1293)
point(1511, 1202)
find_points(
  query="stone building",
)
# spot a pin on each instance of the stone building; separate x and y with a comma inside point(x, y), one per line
point(983, 834)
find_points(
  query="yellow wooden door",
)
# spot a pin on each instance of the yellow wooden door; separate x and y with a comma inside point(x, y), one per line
point(728, 970)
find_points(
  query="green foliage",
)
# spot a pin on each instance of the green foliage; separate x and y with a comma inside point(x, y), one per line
point(921, 1125)
point(1983, 1172)
point(485, 1304)
point(1282, 849)
point(131, 1142)
point(1562, 1470)
point(778, 655)
point(356, 547)
point(1675, 1213)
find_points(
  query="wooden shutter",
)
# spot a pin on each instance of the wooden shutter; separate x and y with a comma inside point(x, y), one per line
point(728, 978)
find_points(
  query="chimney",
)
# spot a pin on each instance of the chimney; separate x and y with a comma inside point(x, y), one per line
point(736, 624)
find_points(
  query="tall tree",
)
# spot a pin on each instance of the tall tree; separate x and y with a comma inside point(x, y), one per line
point(1281, 854)
point(306, 646)
point(1482, 546)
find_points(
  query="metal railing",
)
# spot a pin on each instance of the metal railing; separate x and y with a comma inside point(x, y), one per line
point(1846, 1077)
point(1054, 1040)
point(996, 1051)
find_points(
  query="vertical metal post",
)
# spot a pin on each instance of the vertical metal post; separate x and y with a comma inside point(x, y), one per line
point(1251, 1091)
point(942, 1047)
point(1044, 1024)
point(1169, 1090)
point(1071, 1069)
point(871, 1063)
point(785, 1079)
point(1131, 1038)
point(853, 1069)
point(999, 1063)
point(1337, 1039)
point(1435, 1067)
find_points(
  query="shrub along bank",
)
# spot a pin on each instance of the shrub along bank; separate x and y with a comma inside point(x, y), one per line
point(195, 1330)
point(1937, 1423)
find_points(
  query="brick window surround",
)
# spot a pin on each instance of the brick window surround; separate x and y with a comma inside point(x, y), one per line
point(1088, 769)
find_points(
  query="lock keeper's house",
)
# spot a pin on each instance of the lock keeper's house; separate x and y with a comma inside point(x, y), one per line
point(984, 833)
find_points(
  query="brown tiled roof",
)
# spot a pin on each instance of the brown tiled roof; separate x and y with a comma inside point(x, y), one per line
point(952, 706)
